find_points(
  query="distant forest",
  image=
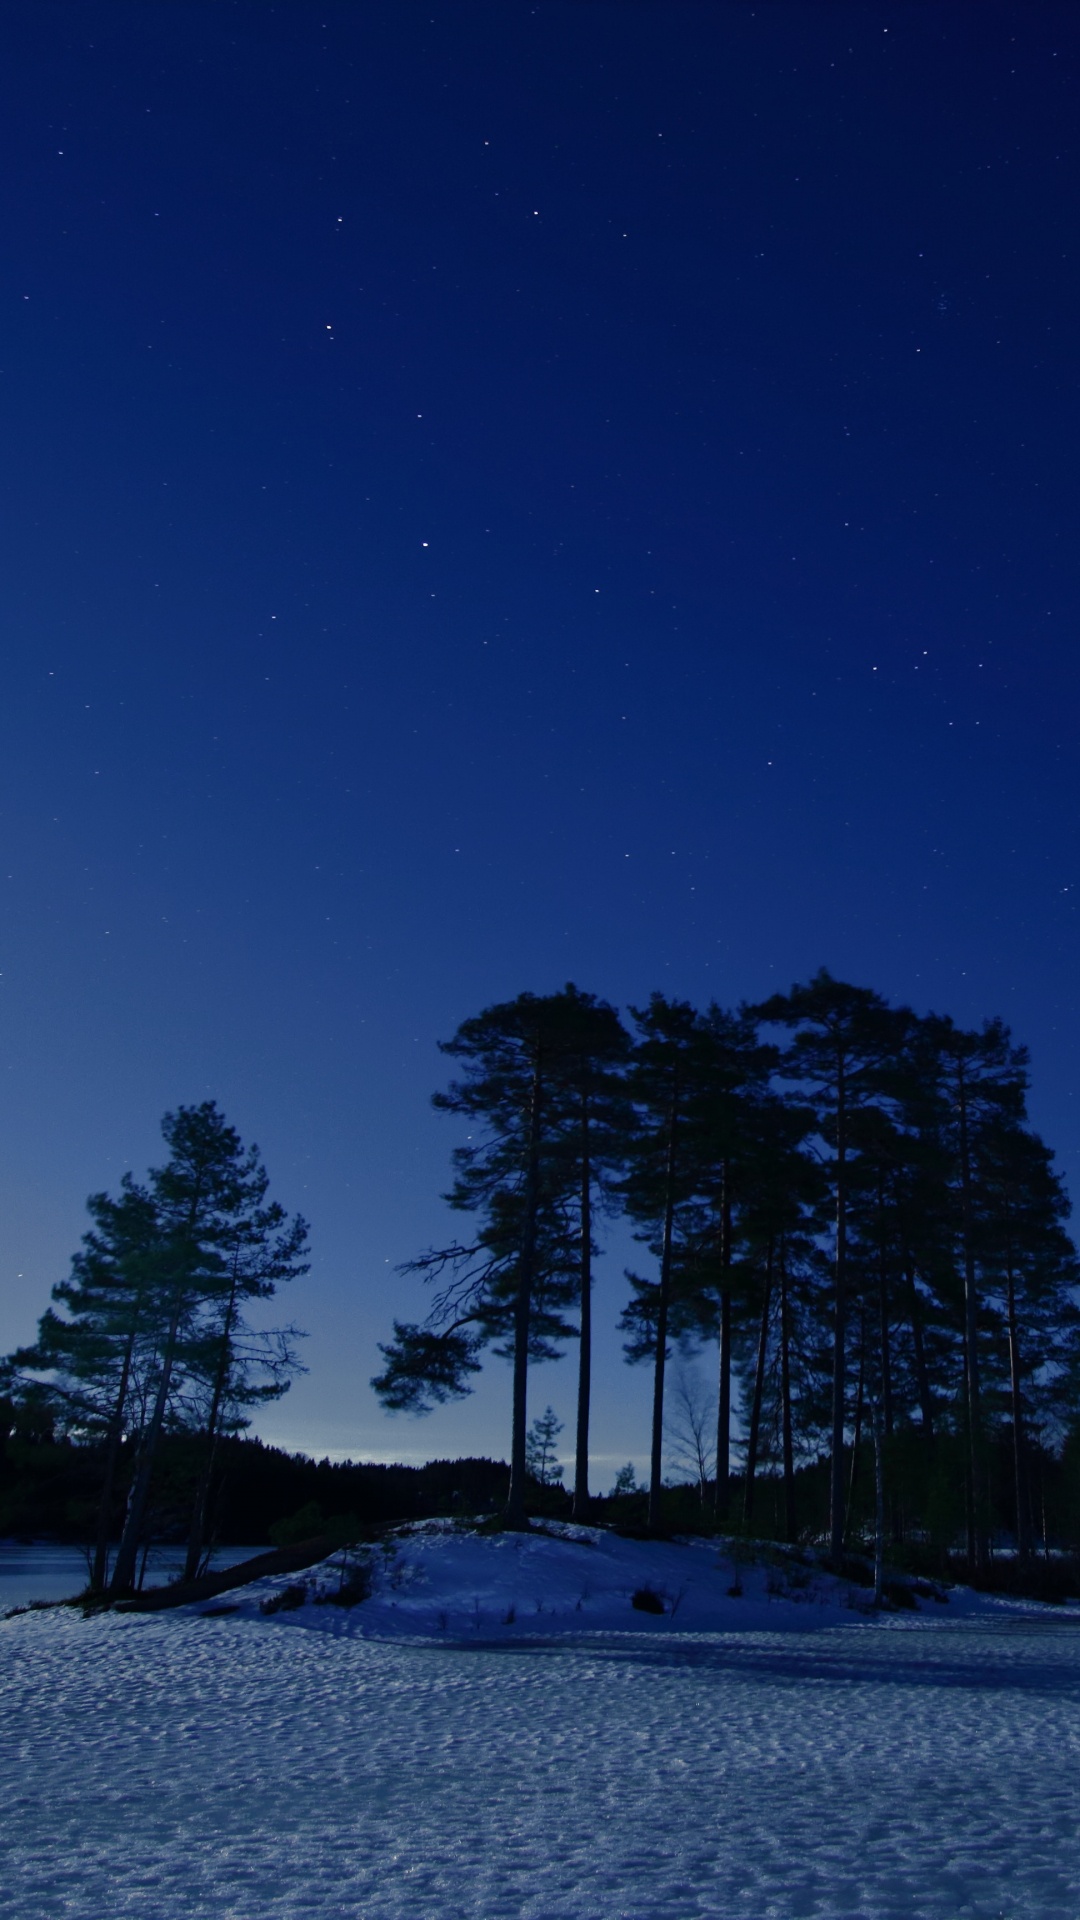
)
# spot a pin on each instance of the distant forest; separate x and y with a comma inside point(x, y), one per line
point(844, 1202)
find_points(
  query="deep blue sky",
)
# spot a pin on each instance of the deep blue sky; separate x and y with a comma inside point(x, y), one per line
point(498, 493)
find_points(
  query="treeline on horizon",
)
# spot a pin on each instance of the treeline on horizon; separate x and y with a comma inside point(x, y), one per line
point(844, 1199)
point(50, 1486)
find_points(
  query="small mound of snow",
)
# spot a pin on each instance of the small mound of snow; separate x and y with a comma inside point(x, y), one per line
point(440, 1579)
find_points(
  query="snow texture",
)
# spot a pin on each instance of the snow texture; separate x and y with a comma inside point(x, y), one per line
point(415, 1758)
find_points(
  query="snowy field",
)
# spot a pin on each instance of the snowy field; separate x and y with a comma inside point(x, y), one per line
point(496, 1732)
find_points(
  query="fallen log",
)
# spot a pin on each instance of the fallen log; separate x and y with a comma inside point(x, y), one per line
point(185, 1593)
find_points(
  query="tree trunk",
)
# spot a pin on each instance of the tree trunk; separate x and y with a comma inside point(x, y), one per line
point(879, 1502)
point(969, 1490)
point(885, 1347)
point(581, 1456)
point(884, 1330)
point(836, 1464)
point(1023, 1526)
point(515, 1504)
point(922, 1377)
point(657, 1450)
point(197, 1536)
point(785, 1399)
point(99, 1571)
point(127, 1553)
point(722, 1492)
point(759, 1390)
point(979, 1533)
point(124, 1571)
point(856, 1438)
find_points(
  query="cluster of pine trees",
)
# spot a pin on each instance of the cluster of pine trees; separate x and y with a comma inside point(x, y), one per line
point(845, 1198)
point(153, 1338)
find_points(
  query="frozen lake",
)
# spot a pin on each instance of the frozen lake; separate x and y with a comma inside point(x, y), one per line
point(180, 1767)
point(43, 1571)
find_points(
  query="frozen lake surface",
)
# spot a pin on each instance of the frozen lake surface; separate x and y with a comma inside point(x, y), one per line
point(41, 1570)
point(302, 1766)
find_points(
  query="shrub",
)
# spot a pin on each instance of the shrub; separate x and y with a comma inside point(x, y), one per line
point(355, 1587)
point(647, 1601)
point(286, 1599)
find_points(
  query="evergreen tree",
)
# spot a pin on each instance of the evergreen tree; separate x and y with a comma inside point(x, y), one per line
point(514, 1282)
point(844, 1041)
point(95, 1364)
point(202, 1196)
point(231, 1364)
point(972, 1081)
point(594, 1119)
point(1030, 1272)
point(665, 1175)
point(152, 1330)
point(733, 1121)
point(540, 1448)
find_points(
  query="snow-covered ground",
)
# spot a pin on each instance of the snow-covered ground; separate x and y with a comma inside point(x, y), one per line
point(437, 1578)
point(425, 1756)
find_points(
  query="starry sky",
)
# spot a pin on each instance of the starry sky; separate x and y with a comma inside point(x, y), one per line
point(498, 493)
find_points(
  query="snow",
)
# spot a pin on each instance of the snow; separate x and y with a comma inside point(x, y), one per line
point(415, 1758)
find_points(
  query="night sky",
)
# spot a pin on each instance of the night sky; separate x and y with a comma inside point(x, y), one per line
point(500, 493)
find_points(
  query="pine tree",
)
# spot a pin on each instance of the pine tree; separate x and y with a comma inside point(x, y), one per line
point(734, 1122)
point(845, 1039)
point(208, 1187)
point(1029, 1270)
point(152, 1328)
point(594, 1117)
point(231, 1364)
point(515, 1281)
point(540, 1448)
point(95, 1362)
point(665, 1173)
point(972, 1081)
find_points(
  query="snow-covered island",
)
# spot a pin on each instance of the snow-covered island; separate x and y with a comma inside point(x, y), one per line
point(563, 1724)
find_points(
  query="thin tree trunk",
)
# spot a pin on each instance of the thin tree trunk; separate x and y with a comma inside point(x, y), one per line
point(196, 1537)
point(124, 1570)
point(722, 1491)
point(657, 1450)
point(785, 1398)
point(879, 1502)
point(759, 1390)
point(1023, 1527)
point(581, 1457)
point(836, 1465)
point(885, 1345)
point(969, 1490)
point(884, 1332)
point(515, 1503)
point(856, 1439)
point(127, 1553)
point(922, 1377)
point(979, 1541)
point(99, 1571)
